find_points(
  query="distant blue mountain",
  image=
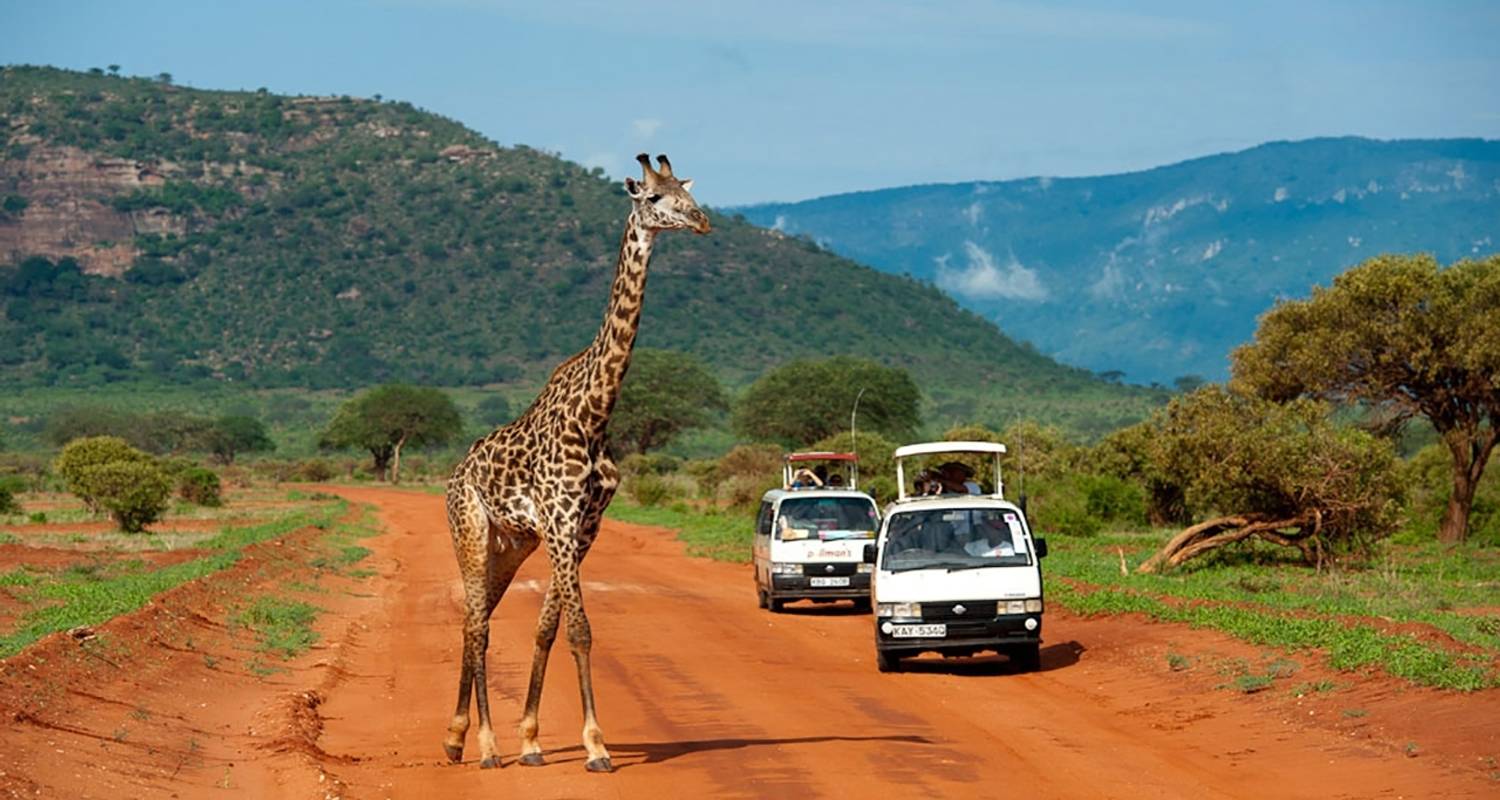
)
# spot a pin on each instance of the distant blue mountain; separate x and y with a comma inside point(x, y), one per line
point(1159, 274)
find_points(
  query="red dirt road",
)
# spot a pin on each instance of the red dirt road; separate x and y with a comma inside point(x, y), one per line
point(703, 695)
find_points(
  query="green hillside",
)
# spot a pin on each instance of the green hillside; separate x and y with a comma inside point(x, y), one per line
point(154, 233)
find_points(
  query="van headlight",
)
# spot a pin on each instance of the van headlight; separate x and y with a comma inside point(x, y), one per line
point(912, 610)
point(1030, 605)
point(785, 568)
point(863, 567)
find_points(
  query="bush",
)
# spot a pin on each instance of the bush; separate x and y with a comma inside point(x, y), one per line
point(747, 471)
point(135, 493)
point(80, 456)
point(1062, 507)
point(648, 489)
point(8, 504)
point(200, 486)
point(1114, 499)
point(313, 470)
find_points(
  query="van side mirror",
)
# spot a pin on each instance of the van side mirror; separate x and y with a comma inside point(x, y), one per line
point(869, 554)
point(1041, 548)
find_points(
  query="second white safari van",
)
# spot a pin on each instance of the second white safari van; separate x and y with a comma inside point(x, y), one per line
point(810, 534)
point(957, 570)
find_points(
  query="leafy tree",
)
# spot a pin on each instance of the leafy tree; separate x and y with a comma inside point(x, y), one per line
point(388, 418)
point(134, 492)
point(234, 434)
point(1403, 336)
point(81, 455)
point(664, 393)
point(1283, 473)
point(807, 400)
point(493, 411)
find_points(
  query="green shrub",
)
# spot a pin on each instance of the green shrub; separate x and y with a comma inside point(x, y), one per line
point(80, 456)
point(8, 504)
point(135, 493)
point(1062, 507)
point(648, 489)
point(200, 486)
point(1114, 499)
point(313, 470)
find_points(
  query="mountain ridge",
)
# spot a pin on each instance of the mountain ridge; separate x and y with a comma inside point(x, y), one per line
point(1087, 268)
point(171, 234)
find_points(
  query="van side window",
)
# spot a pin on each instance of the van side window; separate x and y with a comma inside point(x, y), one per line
point(763, 522)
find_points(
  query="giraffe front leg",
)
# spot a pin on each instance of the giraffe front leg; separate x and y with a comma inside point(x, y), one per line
point(546, 634)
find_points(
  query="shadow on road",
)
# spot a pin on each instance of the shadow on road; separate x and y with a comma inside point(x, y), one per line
point(641, 753)
point(1054, 657)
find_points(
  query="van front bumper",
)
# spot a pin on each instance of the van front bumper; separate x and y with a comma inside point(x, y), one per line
point(960, 635)
point(800, 587)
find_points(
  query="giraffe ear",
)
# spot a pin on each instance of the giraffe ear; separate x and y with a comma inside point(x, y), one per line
point(635, 188)
point(687, 185)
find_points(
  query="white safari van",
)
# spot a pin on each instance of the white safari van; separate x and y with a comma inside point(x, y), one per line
point(957, 570)
point(810, 534)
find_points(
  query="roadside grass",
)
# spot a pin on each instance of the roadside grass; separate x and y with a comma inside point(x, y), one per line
point(718, 535)
point(1407, 583)
point(283, 627)
point(340, 550)
point(90, 593)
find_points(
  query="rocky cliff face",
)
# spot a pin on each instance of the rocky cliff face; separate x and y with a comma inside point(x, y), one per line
point(70, 210)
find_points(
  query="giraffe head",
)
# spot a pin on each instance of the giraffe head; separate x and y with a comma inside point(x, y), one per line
point(662, 201)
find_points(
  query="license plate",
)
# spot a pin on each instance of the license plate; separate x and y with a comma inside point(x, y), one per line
point(840, 581)
point(919, 631)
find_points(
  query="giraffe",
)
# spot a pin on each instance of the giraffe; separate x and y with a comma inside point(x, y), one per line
point(546, 478)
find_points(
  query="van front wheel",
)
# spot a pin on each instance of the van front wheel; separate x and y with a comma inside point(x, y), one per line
point(760, 598)
point(887, 662)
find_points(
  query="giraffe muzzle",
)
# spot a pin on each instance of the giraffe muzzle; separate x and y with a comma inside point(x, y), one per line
point(701, 224)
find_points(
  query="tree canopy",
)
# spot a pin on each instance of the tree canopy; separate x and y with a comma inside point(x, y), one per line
point(1403, 337)
point(389, 418)
point(807, 400)
point(664, 393)
point(1283, 473)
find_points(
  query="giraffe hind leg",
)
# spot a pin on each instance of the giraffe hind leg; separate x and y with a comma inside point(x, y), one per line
point(486, 578)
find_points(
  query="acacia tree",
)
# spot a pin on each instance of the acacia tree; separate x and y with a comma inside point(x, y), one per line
point(1405, 338)
point(388, 418)
point(231, 435)
point(807, 400)
point(665, 393)
point(1283, 473)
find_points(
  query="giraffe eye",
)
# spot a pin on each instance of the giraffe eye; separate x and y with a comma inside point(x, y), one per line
point(653, 198)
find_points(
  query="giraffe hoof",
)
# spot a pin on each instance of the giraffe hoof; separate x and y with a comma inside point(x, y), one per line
point(531, 760)
point(600, 765)
point(492, 762)
point(455, 754)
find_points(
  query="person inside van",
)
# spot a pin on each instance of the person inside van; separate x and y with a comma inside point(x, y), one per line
point(992, 538)
point(957, 478)
point(835, 480)
point(805, 479)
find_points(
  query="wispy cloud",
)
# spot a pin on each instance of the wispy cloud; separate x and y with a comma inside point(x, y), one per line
point(981, 278)
point(645, 128)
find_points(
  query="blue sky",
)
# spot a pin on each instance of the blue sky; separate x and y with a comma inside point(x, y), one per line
point(778, 100)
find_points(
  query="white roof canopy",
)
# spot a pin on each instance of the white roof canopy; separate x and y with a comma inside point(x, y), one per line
point(928, 448)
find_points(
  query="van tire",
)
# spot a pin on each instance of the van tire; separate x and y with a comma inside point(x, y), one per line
point(760, 597)
point(1027, 657)
point(862, 604)
point(775, 605)
point(887, 662)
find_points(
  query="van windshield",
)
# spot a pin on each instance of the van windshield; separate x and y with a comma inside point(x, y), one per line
point(955, 538)
point(827, 518)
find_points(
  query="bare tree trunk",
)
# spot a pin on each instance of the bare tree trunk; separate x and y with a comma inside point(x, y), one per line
point(1216, 533)
point(1470, 451)
point(396, 460)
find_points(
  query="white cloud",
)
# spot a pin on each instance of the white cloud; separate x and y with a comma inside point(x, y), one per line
point(1281, 194)
point(972, 212)
point(644, 129)
point(982, 278)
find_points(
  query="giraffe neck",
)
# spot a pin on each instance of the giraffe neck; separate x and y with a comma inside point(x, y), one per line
point(610, 352)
